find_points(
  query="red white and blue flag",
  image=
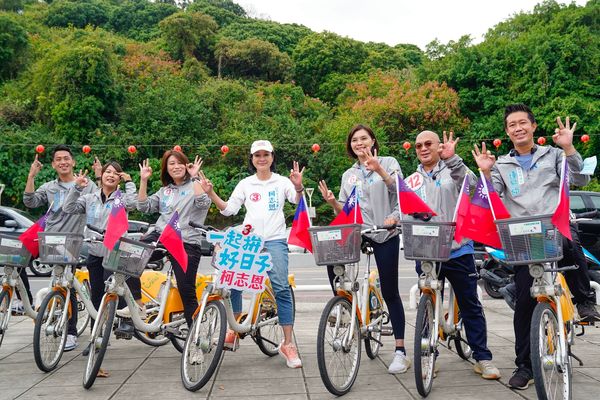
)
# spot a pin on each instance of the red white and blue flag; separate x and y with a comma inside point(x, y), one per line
point(173, 242)
point(117, 222)
point(462, 209)
point(408, 201)
point(350, 213)
point(479, 223)
point(29, 238)
point(561, 216)
point(299, 234)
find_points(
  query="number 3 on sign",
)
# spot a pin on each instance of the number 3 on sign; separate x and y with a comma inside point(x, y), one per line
point(415, 181)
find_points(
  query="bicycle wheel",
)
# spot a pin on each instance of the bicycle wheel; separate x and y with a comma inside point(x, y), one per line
point(492, 289)
point(83, 315)
point(463, 349)
point(99, 340)
point(50, 331)
point(4, 313)
point(552, 381)
point(373, 339)
point(178, 341)
point(39, 269)
point(338, 348)
point(425, 345)
point(203, 348)
point(155, 339)
point(268, 337)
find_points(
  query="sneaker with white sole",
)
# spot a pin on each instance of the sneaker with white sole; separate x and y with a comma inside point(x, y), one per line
point(290, 353)
point(486, 369)
point(400, 364)
point(126, 312)
point(17, 307)
point(70, 343)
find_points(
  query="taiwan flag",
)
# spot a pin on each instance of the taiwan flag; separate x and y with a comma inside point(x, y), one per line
point(299, 234)
point(171, 239)
point(479, 223)
point(350, 213)
point(462, 209)
point(117, 222)
point(560, 218)
point(498, 208)
point(29, 238)
point(408, 201)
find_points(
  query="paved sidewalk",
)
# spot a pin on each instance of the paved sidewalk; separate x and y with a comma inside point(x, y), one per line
point(139, 371)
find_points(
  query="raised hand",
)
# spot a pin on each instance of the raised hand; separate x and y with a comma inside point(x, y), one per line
point(97, 167)
point(563, 135)
point(81, 179)
point(36, 167)
point(194, 168)
point(145, 170)
point(485, 159)
point(448, 148)
point(371, 160)
point(125, 177)
point(296, 175)
point(327, 194)
point(206, 184)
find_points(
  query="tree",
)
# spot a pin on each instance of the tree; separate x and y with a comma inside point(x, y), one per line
point(252, 58)
point(284, 36)
point(223, 12)
point(77, 13)
point(13, 47)
point(11, 5)
point(189, 34)
point(139, 19)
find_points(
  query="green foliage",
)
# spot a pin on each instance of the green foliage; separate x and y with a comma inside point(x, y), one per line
point(189, 34)
point(218, 10)
point(77, 13)
point(138, 19)
point(252, 59)
point(13, 46)
point(11, 5)
point(284, 36)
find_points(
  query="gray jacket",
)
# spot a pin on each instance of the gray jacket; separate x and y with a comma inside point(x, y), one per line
point(96, 212)
point(536, 191)
point(441, 190)
point(181, 198)
point(376, 199)
point(55, 192)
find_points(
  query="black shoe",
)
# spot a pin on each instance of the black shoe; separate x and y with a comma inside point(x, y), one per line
point(587, 312)
point(522, 377)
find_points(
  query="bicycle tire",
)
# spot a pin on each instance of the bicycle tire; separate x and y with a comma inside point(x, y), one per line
point(177, 342)
point(336, 311)
point(424, 353)
point(269, 337)
point(373, 339)
point(154, 339)
point(463, 349)
point(51, 310)
point(99, 341)
point(83, 315)
point(4, 312)
point(39, 269)
point(197, 347)
point(491, 289)
point(544, 338)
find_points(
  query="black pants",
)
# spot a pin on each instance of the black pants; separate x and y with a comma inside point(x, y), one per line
point(386, 257)
point(25, 279)
point(186, 281)
point(579, 284)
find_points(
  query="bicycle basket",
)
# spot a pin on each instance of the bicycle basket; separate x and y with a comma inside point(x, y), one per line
point(530, 239)
point(13, 252)
point(338, 244)
point(60, 248)
point(427, 241)
point(128, 257)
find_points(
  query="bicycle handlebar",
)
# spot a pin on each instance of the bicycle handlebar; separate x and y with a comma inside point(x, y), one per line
point(93, 228)
point(380, 228)
point(587, 214)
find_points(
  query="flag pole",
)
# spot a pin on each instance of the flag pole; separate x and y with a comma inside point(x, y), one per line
point(462, 190)
point(487, 192)
point(356, 204)
point(305, 206)
point(562, 179)
point(398, 193)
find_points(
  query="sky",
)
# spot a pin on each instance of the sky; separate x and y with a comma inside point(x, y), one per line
point(394, 21)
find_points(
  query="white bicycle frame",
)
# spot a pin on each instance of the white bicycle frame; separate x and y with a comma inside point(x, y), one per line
point(11, 278)
point(65, 277)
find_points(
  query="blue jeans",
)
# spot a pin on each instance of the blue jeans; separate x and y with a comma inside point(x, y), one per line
point(279, 281)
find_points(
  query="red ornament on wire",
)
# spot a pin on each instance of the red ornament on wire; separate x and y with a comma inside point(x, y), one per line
point(131, 149)
point(86, 149)
point(177, 148)
point(224, 149)
point(541, 140)
point(497, 143)
point(406, 146)
point(39, 149)
point(315, 147)
point(585, 138)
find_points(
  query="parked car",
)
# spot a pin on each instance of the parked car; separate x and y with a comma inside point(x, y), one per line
point(589, 230)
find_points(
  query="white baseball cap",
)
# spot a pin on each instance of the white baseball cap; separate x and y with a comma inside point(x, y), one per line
point(261, 145)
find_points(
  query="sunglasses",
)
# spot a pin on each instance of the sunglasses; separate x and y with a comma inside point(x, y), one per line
point(427, 144)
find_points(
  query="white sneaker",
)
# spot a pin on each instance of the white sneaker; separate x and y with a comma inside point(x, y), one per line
point(400, 364)
point(17, 307)
point(70, 343)
point(486, 369)
point(126, 313)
